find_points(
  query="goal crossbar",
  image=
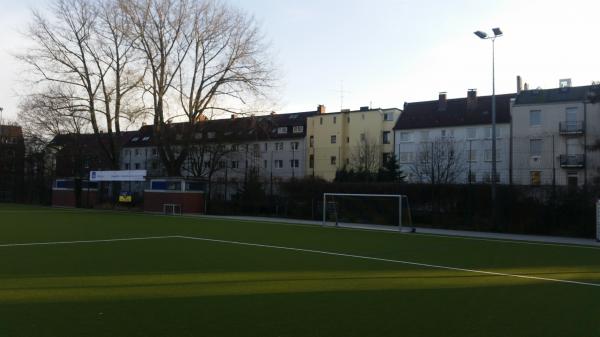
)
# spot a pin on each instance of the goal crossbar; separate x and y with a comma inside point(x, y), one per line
point(400, 197)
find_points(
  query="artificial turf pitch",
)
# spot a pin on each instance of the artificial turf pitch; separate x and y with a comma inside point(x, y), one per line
point(173, 285)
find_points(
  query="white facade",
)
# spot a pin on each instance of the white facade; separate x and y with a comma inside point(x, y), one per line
point(473, 146)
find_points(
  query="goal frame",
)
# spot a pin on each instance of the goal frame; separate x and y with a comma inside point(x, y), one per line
point(400, 197)
point(173, 208)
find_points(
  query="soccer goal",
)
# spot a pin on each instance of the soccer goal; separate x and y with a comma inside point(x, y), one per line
point(172, 209)
point(371, 211)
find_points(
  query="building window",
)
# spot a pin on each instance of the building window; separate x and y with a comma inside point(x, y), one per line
point(298, 129)
point(235, 164)
point(127, 166)
point(154, 153)
point(278, 146)
point(405, 136)
point(334, 119)
point(348, 119)
point(282, 130)
point(471, 133)
point(473, 155)
point(536, 178)
point(127, 153)
point(424, 136)
point(487, 131)
point(295, 163)
point(363, 137)
point(386, 137)
point(295, 146)
point(348, 140)
point(278, 164)
point(572, 179)
point(406, 157)
point(198, 135)
point(388, 116)
point(136, 152)
point(234, 147)
point(311, 161)
point(333, 160)
point(535, 118)
point(266, 147)
point(487, 155)
point(333, 139)
point(312, 141)
point(535, 147)
point(321, 120)
point(265, 164)
point(137, 166)
point(211, 135)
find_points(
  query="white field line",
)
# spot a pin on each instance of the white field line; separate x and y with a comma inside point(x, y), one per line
point(318, 225)
point(56, 243)
point(433, 266)
point(426, 265)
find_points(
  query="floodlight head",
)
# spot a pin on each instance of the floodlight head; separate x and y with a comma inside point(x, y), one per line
point(497, 32)
point(481, 34)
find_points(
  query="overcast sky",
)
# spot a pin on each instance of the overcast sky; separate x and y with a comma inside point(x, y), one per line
point(387, 52)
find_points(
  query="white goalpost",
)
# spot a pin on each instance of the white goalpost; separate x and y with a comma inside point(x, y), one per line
point(396, 206)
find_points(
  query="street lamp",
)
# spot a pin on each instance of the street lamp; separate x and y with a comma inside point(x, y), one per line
point(484, 36)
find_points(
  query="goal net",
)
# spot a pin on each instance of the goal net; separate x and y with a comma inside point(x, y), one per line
point(172, 209)
point(370, 211)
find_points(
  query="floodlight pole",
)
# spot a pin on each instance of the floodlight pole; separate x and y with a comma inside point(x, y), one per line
point(497, 33)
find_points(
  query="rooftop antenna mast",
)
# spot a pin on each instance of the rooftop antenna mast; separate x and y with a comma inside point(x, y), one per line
point(342, 95)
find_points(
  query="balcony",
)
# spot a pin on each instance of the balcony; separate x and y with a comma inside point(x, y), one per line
point(572, 161)
point(571, 128)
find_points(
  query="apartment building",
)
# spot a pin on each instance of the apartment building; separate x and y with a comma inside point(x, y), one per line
point(335, 140)
point(227, 150)
point(554, 133)
point(450, 140)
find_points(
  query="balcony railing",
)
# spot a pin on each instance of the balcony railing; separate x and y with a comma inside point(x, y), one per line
point(572, 128)
point(572, 160)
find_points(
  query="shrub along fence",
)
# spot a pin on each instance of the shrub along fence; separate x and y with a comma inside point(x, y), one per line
point(519, 209)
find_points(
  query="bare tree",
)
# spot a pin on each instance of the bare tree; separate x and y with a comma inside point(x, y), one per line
point(206, 160)
point(366, 156)
point(438, 162)
point(51, 113)
point(201, 56)
point(81, 47)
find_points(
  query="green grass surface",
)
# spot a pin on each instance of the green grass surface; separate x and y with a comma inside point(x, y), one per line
point(181, 287)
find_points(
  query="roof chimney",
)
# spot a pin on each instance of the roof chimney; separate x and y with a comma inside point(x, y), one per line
point(443, 102)
point(526, 86)
point(321, 109)
point(519, 85)
point(471, 99)
point(273, 113)
point(232, 116)
point(364, 108)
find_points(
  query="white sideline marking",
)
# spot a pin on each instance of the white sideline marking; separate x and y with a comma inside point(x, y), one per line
point(318, 225)
point(322, 252)
point(393, 261)
point(85, 241)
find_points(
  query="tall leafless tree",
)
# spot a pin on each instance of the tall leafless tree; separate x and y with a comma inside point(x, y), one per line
point(366, 156)
point(80, 46)
point(438, 162)
point(201, 56)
